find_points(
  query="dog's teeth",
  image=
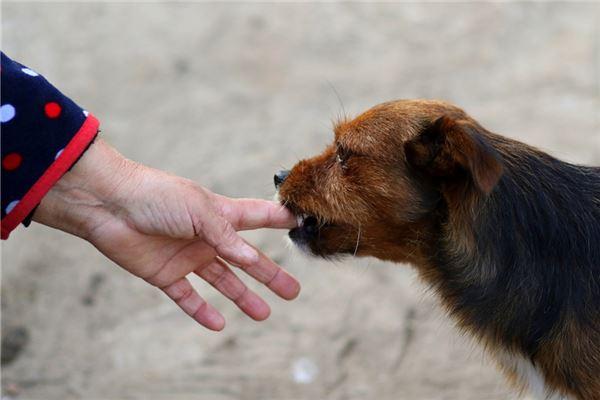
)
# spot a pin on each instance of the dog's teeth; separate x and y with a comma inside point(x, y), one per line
point(300, 218)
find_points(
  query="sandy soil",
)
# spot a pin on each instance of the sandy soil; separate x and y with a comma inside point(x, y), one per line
point(228, 94)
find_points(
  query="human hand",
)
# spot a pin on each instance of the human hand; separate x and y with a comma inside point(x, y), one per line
point(161, 228)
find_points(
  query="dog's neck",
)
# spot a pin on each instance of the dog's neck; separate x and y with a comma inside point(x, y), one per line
point(510, 265)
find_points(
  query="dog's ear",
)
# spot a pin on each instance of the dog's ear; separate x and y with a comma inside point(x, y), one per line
point(449, 148)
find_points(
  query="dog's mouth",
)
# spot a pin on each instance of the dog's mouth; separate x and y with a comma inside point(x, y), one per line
point(307, 222)
point(308, 234)
point(312, 232)
point(308, 226)
point(321, 236)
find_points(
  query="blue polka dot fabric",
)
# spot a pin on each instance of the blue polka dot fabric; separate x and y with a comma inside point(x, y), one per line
point(43, 133)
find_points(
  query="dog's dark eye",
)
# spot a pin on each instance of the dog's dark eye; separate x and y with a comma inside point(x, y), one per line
point(342, 156)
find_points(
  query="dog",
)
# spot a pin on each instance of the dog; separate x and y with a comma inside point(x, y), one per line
point(507, 235)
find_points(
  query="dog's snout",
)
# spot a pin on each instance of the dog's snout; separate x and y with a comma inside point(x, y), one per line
point(280, 176)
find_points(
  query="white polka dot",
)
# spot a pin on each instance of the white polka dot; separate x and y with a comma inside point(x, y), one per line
point(58, 153)
point(29, 72)
point(7, 112)
point(86, 113)
point(11, 205)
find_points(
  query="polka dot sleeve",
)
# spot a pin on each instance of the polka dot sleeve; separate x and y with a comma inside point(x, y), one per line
point(43, 134)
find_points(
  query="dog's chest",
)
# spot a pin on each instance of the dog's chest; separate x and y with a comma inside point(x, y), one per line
point(528, 376)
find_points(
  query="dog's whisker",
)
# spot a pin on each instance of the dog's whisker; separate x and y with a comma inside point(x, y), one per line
point(339, 98)
point(357, 241)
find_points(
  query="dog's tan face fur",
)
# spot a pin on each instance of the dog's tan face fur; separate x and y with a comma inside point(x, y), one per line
point(361, 190)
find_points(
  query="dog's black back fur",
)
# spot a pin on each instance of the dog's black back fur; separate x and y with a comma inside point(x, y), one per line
point(535, 278)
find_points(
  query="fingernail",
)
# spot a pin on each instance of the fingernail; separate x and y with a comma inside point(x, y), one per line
point(218, 322)
point(249, 253)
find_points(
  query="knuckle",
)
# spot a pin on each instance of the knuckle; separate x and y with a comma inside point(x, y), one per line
point(228, 235)
point(220, 278)
point(184, 294)
point(239, 297)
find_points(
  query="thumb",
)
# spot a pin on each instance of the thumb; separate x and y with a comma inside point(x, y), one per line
point(219, 233)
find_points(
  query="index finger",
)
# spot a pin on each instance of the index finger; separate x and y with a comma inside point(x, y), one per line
point(246, 214)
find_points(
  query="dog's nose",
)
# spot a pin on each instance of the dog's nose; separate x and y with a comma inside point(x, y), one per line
point(279, 177)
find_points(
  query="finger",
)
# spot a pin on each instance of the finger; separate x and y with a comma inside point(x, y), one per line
point(222, 278)
point(220, 234)
point(245, 214)
point(273, 276)
point(186, 297)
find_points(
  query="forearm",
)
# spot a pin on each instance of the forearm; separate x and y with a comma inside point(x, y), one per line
point(43, 134)
point(88, 193)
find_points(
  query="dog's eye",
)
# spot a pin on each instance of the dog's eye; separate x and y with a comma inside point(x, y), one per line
point(342, 156)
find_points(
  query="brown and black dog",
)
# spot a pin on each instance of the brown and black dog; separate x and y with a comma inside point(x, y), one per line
point(508, 235)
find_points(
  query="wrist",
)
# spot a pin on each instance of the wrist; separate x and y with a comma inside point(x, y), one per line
point(88, 193)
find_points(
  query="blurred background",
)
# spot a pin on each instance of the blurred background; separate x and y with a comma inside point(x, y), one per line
point(226, 94)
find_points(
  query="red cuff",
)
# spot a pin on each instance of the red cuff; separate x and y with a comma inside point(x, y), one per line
point(55, 171)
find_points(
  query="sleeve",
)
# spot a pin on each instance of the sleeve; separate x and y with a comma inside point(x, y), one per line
point(43, 133)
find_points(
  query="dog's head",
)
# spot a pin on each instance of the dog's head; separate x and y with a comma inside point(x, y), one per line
point(373, 191)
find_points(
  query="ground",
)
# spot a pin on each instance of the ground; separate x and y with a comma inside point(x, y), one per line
point(226, 94)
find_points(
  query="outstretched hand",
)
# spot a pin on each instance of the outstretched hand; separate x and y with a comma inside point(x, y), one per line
point(162, 228)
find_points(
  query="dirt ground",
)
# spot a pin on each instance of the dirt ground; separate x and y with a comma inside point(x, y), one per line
point(226, 94)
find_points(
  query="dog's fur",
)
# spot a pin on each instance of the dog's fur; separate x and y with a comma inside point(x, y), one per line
point(508, 235)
